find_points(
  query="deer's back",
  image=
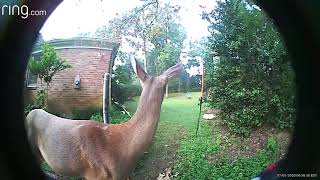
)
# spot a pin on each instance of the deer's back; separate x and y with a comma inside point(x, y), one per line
point(68, 146)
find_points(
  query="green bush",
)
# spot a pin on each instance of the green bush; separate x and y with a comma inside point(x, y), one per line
point(85, 113)
point(248, 73)
point(116, 117)
point(38, 103)
point(97, 117)
point(249, 102)
point(122, 92)
point(124, 86)
point(49, 64)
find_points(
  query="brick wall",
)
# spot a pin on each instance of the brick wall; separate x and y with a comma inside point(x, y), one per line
point(90, 66)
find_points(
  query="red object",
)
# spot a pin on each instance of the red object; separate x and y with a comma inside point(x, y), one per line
point(271, 167)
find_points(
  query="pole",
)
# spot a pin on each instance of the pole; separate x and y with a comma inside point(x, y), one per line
point(201, 98)
point(105, 98)
point(202, 80)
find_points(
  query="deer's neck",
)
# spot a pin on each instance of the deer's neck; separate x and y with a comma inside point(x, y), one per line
point(143, 124)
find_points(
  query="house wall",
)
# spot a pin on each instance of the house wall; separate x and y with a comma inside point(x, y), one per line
point(90, 66)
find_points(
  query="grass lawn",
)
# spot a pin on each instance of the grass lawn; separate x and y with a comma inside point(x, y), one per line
point(177, 153)
point(214, 154)
point(178, 117)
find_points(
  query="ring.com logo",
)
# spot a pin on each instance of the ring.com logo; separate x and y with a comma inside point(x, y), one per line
point(22, 11)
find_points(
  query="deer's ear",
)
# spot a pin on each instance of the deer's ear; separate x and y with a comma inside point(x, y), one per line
point(142, 75)
point(174, 71)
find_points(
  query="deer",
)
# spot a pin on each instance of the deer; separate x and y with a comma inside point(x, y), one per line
point(94, 150)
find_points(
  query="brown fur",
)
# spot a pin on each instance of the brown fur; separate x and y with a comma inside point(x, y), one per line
point(95, 150)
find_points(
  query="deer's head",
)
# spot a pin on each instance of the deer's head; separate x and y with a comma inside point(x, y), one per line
point(156, 84)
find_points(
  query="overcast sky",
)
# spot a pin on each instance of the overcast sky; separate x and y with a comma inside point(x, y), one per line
point(74, 16)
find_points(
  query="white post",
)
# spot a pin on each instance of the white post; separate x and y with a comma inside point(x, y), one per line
point(105, 98)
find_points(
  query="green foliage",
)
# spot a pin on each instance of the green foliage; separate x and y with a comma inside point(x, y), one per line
point(150, 23)
point(85, 113)
point(45, 167)
point(192, 154)
point(193, 162)
point(123, 85)
point(152, 28)
point(39, 102)
point(247, 68)
point(194, 56)
point(170, 49)
point(97, 117)
point(116, 116)
point(50, 62)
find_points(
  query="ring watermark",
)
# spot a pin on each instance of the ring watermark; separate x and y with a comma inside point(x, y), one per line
point(22, 11)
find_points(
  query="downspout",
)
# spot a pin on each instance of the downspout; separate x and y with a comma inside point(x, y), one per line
point(105, 98)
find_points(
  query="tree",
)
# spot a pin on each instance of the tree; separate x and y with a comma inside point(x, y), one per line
point(152, 28)
point(135, 24)
point(124, 87)
point(193, 54)
point(247, 68)
point(170, 51)
point(49, 64)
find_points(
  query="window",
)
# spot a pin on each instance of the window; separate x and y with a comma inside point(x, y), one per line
point(31, 79)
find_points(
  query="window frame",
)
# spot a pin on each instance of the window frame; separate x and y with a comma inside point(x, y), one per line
point(29, 74)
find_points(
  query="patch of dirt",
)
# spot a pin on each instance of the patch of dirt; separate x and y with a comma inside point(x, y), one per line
point(213, 111)
point(167, 174)
point(235, 146)
point(159, 164)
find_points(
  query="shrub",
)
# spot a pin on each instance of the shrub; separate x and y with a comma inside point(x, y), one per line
point(116, 117)
point(122, 92)
point(49, 64)
point(247, 69)
point(85, 113)
point(38, 103)
point(124, 86)
point(97, 117)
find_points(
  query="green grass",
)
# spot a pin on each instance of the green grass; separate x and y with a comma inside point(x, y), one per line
point(177, 109)
point(176, 145)
point(178, 117)
point(194, 150)
point(179, 112)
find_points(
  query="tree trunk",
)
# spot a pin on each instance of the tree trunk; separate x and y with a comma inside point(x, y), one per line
point(188, 84)
point(179, 85)
point(46, 99)
point(167, 90)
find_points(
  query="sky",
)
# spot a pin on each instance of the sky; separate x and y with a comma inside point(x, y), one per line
point(75, 16)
